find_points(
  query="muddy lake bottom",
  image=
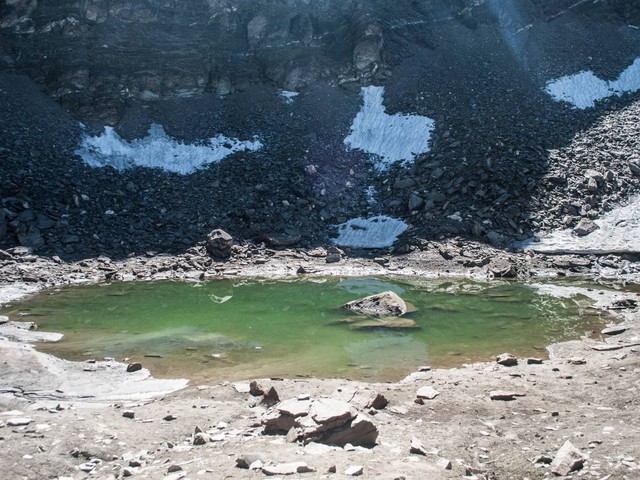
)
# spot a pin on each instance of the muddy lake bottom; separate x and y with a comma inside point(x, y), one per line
point(241, 329)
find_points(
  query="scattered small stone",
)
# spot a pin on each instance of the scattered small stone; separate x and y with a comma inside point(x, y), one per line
point(134, 367)
point(18, 422)
point(502, 395)
point(542, 459)
point(354, 471)
point(428, 393)
point(534, 361)
point(256, 389)
point(174, 468)
point(169, 418)
point(614, 330)
point(507, 360)
point(332, 469)
point(417, 448)
point(287, 469)
point(271, 397)
point(577, 361)
point(201, 438)
point(444, 464)
point(129, 414)
point(378, 401)
point(567, 460)
point(585, 227)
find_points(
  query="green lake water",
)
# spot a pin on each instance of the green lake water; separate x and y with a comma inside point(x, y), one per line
point(248, 328)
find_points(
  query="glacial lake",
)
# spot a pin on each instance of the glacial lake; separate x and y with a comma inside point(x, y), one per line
point(242, 329)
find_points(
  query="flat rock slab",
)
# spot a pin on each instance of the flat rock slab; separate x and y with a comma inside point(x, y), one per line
point(428, 393)
point(328, 410)
point(614, 330)
point(18, 422)
point(294, 407)
point(504, 395)
point(354, 471)
point(287, 468)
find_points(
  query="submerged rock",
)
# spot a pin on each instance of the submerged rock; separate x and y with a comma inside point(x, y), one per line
point(393, 323)
point(382, 305)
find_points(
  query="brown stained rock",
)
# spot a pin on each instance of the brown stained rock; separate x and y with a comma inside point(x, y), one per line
point(567, 460)
point(507, 360)
point(270, 398)
point(377, 401)
point(256, 389)
point(360, 431)
point(245, 460)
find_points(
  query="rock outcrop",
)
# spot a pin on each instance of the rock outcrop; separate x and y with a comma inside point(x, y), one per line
point(325, 420)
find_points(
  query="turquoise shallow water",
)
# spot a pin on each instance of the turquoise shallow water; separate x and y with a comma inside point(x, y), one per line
point(234, 329)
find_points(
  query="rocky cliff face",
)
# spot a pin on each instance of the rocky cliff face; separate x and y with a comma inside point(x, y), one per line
point(95, 55)
point(478, 68)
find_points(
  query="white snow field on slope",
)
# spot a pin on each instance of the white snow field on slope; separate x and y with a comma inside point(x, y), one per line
point(583, 89)
point(158, 150)
point(374, 232)
point(392, 138)
point(619, 232)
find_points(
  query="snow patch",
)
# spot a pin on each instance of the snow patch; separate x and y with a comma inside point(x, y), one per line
point(288, 97)
point(392, 138)
point(158, 150)
point(618, 233)
point(583, 89)
point(374, 232)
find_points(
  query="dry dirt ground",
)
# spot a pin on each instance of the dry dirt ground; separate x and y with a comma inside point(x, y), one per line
point(94, 420)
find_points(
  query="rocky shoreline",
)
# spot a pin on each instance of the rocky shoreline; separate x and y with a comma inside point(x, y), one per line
point(484, 420)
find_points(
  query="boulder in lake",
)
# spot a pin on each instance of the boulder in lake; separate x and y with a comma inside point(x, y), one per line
point(382, 305)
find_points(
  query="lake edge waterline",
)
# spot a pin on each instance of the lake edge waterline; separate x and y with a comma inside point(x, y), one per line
point(152, 361)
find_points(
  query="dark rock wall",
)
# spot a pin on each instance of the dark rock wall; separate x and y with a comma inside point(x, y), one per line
point(95, 55)
point(203, 67)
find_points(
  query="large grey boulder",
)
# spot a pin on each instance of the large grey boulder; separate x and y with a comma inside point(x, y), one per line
point(381, 305)
point(325, 420)
point(219, 243)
